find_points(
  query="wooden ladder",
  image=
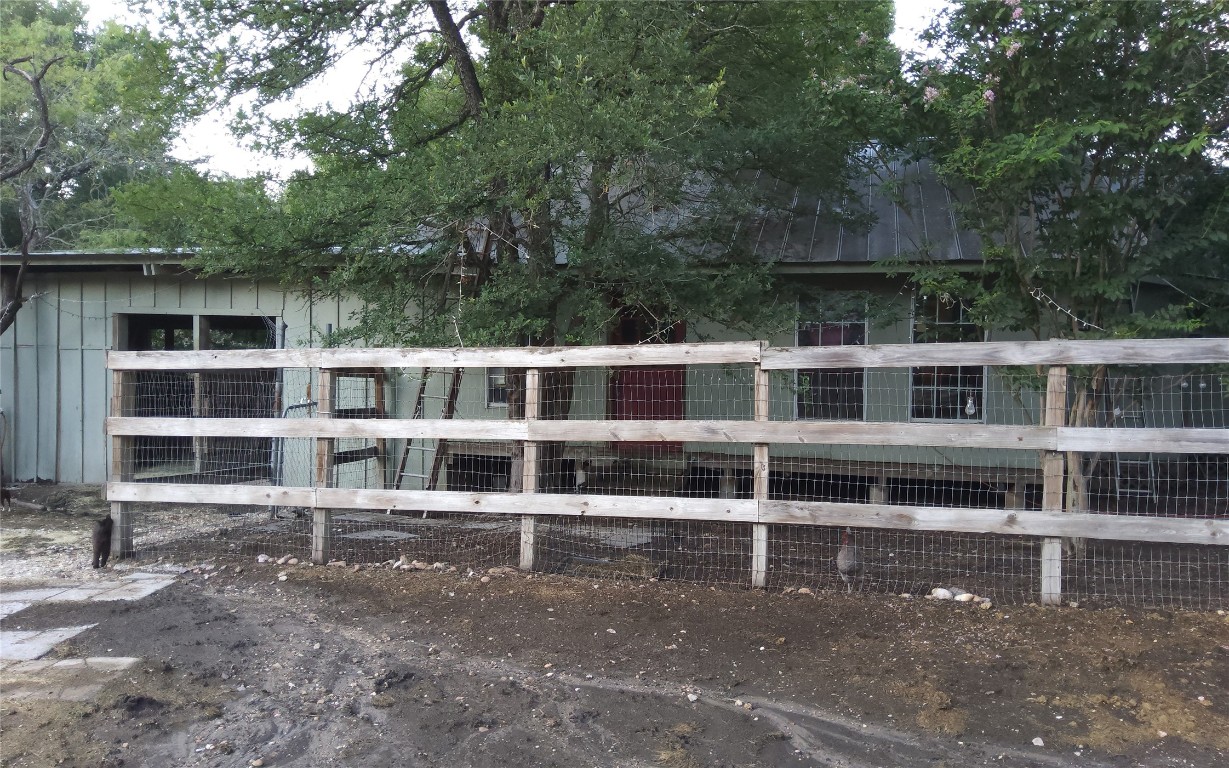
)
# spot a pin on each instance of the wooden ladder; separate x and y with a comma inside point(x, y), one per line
point(431, 478)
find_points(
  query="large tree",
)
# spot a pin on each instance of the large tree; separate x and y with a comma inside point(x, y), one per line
point(535, 167)
point(1093, 135)
point(81, 111)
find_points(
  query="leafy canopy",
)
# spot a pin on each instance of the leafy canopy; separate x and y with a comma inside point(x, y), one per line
point(112, 106)
point(534, 168)
point(1094, 137)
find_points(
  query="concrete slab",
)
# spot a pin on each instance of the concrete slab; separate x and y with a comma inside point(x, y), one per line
point(143, 575)
point(133, 590)
point(69, 664)
point(32, 595)
point(13, 645)
point(8, 608)
point(110, 663)
point(26, 645)
point(28, 667)
point(80, 594)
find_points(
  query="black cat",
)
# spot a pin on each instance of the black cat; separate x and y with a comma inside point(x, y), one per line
point(102, 541)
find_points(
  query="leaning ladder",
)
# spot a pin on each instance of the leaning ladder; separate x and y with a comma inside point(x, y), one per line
point(431, 478)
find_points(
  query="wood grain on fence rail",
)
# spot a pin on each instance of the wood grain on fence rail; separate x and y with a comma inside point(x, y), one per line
point(210, 359)
point(1027, 523)
point(956, 435)
point(196, 493)
point(886, 516)
point(711, 353)
point(386, 429)
point(1148, 440)
point(1058, 352)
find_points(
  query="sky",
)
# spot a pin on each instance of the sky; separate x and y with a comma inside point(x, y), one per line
point(210, 139)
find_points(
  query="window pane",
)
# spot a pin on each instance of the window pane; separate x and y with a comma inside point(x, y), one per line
point(949, 393)
point(496, 386)
point(831, 393)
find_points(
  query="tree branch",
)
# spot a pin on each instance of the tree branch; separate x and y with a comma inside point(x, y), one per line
point(44, 116)
point(463, 62)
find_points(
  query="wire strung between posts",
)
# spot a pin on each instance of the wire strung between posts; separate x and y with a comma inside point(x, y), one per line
point(1042, 297)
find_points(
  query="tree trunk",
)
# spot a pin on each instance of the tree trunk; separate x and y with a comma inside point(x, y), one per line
point(11, 300)
point(1083, 414)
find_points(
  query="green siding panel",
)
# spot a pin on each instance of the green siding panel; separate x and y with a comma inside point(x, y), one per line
point(95, 402)
point(71, 418)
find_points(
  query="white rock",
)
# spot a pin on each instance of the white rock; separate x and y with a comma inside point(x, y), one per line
point(965, 597)
point(283, 559)
point(263, 558)
point(939, 593)
point(692, 697)
point(292, 561)
point(1037, 742)
point(805, 591)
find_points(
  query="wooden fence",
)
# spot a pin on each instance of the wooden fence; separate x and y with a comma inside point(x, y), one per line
point(1053, 438)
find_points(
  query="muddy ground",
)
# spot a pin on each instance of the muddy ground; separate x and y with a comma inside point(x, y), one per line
point(381, 667)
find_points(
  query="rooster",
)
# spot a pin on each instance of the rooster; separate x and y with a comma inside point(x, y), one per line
point(848, 561)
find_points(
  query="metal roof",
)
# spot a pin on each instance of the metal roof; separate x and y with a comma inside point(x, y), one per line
point(901, 211)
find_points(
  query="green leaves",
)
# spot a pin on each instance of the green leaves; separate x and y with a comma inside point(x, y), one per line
point(598, 171)
point(112, 104)
point(1093, 137)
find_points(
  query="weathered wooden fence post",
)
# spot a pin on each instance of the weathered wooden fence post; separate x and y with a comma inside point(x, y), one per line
point(322, 519)
point(1053, 469)
point(759, 480)
point(122, 518)
point(529, 523)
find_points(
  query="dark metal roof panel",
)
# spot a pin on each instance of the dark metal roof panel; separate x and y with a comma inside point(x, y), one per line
point(902, 210)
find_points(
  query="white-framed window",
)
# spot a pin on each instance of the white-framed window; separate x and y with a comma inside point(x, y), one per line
point(832, 393)
point(945, 393)
point(496, 388)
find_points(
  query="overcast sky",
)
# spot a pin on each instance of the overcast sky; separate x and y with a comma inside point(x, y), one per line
point(211, 138)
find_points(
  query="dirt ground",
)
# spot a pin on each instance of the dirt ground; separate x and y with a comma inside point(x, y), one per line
point(380, 667)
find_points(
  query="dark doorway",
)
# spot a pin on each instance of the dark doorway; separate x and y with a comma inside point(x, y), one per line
point(655, 393)
point(244, 393)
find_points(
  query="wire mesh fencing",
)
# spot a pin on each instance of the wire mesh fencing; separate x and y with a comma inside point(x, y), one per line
point(966, 475)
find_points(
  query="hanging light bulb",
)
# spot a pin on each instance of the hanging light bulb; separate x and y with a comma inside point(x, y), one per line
point(970, 407)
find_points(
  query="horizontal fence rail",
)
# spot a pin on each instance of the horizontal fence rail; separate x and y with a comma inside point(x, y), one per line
point(730, 446)
point(747, 432)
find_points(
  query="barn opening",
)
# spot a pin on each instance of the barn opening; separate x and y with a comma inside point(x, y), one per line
point(249, 393)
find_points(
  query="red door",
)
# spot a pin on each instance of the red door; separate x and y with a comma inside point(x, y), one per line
point(647, 392)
